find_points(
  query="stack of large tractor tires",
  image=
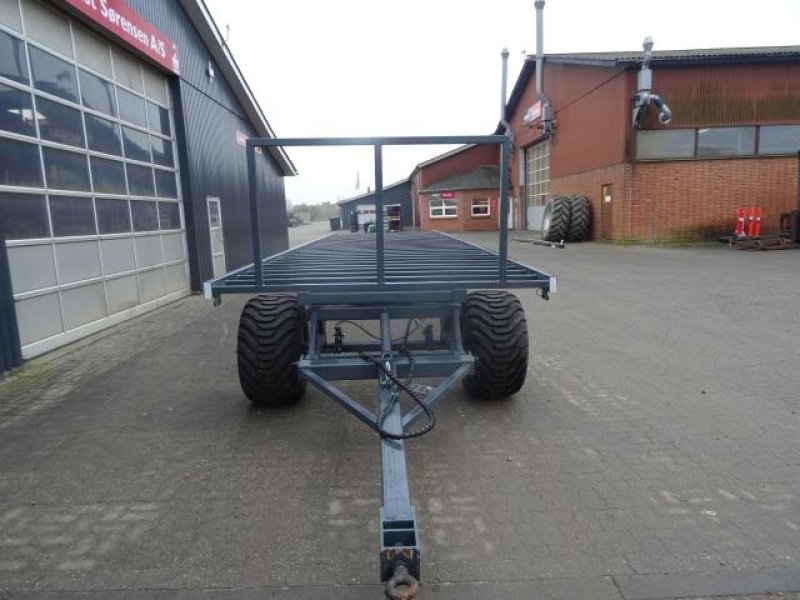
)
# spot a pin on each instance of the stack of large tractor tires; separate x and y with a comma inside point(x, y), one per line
point(566, 218)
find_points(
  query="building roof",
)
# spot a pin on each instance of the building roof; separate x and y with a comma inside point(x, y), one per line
point(372, 193)
point(444, 155)
point(485, 177)
point(762, 54)
point(759, 53)
point(204, 24)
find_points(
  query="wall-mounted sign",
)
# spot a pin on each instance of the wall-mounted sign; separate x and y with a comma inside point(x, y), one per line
point(448, 195)
point(119, 19)
point(241, 139)
point(532, 113)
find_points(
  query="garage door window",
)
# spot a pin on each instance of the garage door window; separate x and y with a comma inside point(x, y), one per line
point(87, 165)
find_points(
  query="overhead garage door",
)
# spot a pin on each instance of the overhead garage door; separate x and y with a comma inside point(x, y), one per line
point(89, 200)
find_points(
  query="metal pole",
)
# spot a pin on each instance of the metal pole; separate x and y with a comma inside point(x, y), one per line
point(255, 218)
point(505, 152)
point(379, 213)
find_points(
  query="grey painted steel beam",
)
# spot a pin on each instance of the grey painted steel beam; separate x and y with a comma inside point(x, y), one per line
point(383, 141)
point(354, 408)
point(356, 368)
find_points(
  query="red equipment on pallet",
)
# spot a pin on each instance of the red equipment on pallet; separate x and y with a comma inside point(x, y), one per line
point(748, 222)
point(739, 232)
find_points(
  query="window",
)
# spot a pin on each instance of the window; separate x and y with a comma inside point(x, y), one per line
point(24, 216)
point(12, 59)
point(665, 143)
point(65, 170)
point(97, 94)
point(47, 27)
point(165, 184)
point(169, 215)
point(16, 111)
point(59, 123)
point(443, 208)
point(140, 180)
point(162, 151)
point(71, 216)
point(113, 216)
point(137, 146)
point(92, 51)
point(103, 135)
point(537, 174)
point(779, 139)
point(158, 118)
point(145, 215)
point(53, 75)
point(108, 176)
point(131, 108)
point(20, 164)
point(481, 207)
point(726, 141)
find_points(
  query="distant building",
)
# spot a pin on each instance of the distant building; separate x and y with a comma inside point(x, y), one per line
point(733, 140)
point(396, 200)
point(458, 190)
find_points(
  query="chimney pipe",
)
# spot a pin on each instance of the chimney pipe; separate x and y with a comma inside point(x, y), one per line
point(548, 126)
point(644, 95)
point(503, 84)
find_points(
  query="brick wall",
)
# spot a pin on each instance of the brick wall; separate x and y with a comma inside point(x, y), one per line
point(685, 200)
point(590, 184)
point(464, 221)
point(698, 199)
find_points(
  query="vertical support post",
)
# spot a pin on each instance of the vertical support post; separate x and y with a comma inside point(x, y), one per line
point(505, 162)
point(399, 544)
point(379, 249)
point(255, 218)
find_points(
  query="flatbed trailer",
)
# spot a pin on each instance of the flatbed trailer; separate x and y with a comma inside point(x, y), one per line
point(450, 292)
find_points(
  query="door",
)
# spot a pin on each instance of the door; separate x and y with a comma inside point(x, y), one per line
point(606, 211)
point(215, 233)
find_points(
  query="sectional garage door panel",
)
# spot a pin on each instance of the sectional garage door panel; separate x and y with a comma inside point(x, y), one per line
point(32, 268)
point(89, 195)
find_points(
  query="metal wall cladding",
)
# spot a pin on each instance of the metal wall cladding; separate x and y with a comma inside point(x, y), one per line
point(705, 95)
point(208, 116)
point(592, 112)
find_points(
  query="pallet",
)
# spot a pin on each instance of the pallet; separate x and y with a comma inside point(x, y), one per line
point(765, 243)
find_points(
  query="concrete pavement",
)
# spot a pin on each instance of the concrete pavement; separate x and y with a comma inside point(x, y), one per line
point(651, 454)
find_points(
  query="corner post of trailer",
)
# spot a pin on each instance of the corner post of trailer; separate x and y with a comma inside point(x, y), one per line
point(379, 241)
point(505, 156)
point(255, 217)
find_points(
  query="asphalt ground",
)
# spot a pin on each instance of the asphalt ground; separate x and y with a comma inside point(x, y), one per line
point(654, 452)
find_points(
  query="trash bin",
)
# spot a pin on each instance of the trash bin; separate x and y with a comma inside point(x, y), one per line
point(336, 223)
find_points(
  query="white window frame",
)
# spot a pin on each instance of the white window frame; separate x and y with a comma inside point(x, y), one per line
point(480, 204)
point(447, 206)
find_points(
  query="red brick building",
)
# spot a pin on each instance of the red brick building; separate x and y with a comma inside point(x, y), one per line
point(458, 190)
point(733, 140)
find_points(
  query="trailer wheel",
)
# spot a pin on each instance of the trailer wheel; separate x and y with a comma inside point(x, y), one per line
point(271, 341)
point(555, 222)
point(494, 330)
point(579, 219)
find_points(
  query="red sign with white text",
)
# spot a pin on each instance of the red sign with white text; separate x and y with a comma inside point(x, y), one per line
point(448, 194)
point(118, 18)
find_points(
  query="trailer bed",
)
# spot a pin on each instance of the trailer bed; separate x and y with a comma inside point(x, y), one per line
point(413, 261)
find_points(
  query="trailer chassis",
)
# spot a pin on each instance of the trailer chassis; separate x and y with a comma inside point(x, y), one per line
point(384, 289)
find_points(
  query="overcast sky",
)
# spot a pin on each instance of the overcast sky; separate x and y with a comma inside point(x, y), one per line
point(432, 67)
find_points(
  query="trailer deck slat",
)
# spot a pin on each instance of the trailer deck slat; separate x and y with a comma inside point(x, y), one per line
point(413, 261)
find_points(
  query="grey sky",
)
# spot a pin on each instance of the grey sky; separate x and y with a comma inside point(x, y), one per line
point(432, 67)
